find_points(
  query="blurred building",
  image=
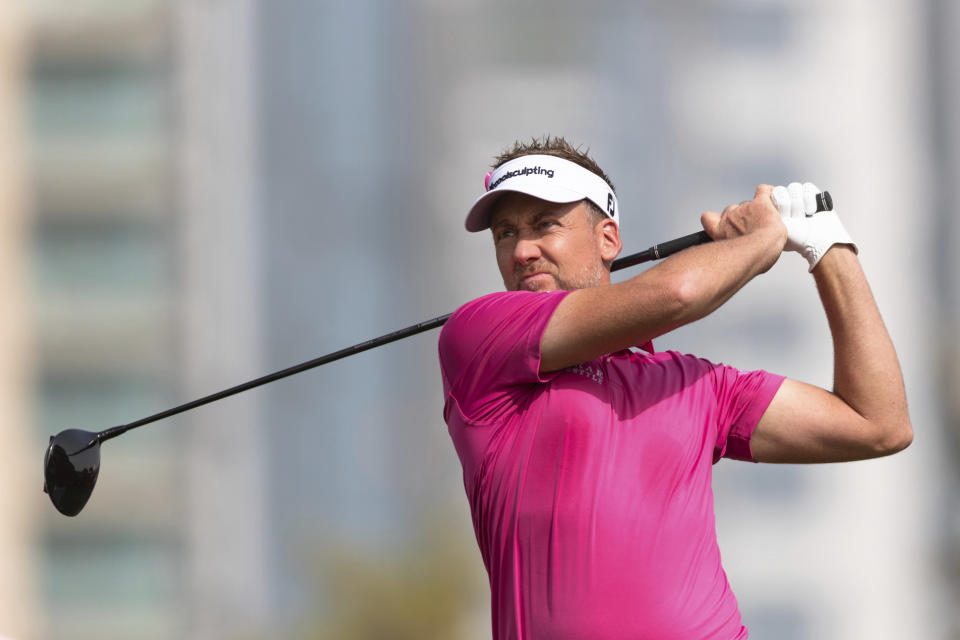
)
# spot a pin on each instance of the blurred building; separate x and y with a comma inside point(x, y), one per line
point(943, 19)
point(19, 606)
point(104, 247)
point(140, 130)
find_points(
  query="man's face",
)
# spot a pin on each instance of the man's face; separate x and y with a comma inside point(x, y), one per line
point(543, 246)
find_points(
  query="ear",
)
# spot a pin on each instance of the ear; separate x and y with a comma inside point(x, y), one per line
point(608, 239)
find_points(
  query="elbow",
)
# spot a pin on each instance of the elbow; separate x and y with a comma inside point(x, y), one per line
point(679, 297)
point(904, 437)
point(895, 438)
point(683, 296)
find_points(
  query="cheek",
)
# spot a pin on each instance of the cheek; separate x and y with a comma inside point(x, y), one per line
point(504, 258)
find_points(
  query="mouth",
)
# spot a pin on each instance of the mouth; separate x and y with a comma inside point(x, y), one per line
point(537, 280)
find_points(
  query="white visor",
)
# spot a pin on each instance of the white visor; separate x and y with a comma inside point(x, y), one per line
point(546, 177)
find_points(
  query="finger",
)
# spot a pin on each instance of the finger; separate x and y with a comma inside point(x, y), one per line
point(796, 200)
point(763, 191)
point(781, 198)
point(810, 192)
point(710, 220)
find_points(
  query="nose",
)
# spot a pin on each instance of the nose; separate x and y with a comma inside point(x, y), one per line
point(526, 250)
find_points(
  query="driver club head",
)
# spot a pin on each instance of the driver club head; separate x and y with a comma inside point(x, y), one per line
point(70, 469)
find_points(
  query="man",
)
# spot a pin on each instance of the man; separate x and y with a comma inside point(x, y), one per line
point(587, 462)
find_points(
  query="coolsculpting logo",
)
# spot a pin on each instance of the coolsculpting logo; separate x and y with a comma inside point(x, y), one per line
point(526, 171)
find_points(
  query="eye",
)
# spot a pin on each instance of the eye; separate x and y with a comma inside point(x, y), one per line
point(503, 234)
point(546, 224)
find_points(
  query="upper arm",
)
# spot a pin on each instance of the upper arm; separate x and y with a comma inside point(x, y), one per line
point(805, 423)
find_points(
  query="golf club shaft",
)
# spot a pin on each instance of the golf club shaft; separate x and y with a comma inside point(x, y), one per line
point(656, 252)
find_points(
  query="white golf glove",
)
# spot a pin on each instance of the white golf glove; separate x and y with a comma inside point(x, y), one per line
point(809, 233)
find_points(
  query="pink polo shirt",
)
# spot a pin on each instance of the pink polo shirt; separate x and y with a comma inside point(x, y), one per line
point(590, 487)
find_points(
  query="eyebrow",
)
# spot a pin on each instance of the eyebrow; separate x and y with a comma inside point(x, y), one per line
point(536, 218)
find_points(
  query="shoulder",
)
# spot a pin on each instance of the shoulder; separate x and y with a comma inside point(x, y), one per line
point(497, 335)
point(487, 313)
point(505, 303)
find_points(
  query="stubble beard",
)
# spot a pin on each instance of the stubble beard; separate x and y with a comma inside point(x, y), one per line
point(590, 275)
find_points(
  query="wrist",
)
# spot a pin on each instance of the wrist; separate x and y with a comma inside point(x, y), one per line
point(775, 236)
point(768, 243)
point(837, 256)
point(781, 235)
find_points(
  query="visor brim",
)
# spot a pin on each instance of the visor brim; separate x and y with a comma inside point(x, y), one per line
point(478, 218)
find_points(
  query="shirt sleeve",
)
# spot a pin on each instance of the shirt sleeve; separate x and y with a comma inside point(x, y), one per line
point(490, 349)
point(742, 398)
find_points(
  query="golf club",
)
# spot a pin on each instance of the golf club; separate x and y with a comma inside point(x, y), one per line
point(72, 460)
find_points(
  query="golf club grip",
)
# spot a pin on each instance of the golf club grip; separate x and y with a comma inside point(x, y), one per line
point(670, 247)
point(662, 250)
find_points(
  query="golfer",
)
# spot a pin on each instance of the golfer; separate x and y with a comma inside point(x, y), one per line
point(586, 453)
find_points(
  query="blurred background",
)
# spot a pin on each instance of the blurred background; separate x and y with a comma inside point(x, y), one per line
point(198, 192)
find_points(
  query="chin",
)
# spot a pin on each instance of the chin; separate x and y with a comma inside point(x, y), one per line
point(538, 288)
point(539, 283)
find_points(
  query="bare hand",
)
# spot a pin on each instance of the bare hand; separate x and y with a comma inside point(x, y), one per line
point(750, 216)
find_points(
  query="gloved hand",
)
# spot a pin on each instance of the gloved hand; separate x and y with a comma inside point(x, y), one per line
point(809, 233)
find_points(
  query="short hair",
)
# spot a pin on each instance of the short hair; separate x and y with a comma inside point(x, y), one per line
point(557, 146)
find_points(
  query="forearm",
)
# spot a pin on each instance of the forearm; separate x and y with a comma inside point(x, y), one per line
point(704, 277)
point(867, 375)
